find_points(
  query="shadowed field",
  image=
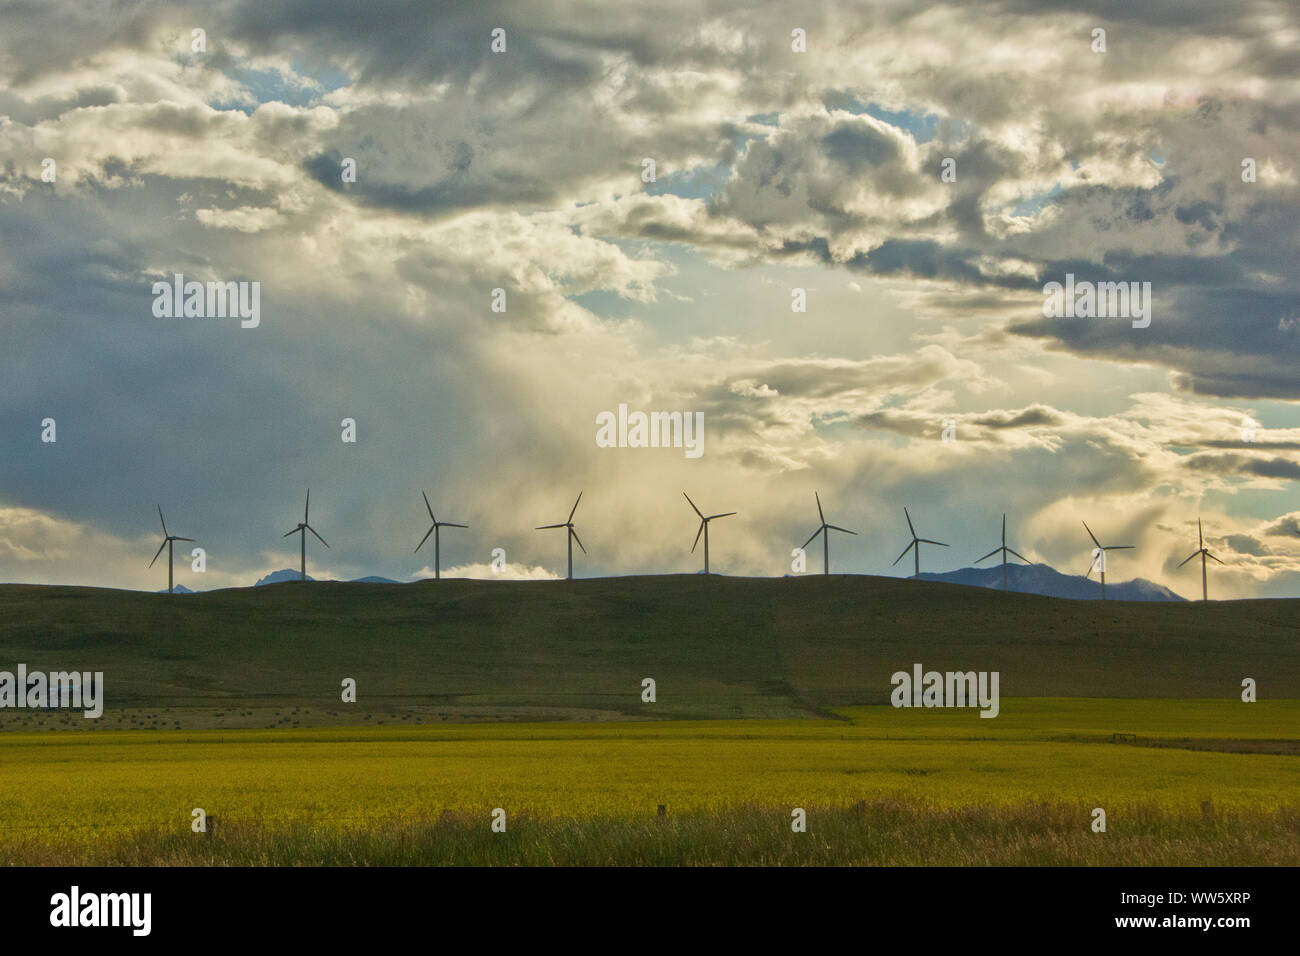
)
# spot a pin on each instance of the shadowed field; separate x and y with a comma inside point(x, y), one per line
point(435, 652)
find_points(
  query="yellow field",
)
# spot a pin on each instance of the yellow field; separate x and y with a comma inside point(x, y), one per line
point(81, 786)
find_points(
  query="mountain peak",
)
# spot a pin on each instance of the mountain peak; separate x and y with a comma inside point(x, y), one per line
point(1046, 580)
point(287, 574)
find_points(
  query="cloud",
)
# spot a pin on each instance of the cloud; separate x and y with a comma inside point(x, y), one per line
point(522, 172)
point(486, 572)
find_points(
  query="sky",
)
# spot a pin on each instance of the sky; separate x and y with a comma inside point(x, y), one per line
point(503, 146)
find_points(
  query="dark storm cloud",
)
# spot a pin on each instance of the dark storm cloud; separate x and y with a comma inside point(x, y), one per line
point(49, 107)
point(456, 191)
point(1256, 445)
point(1245, 544)
point(43, 37)
point(856, 147)
point(407, 42)
point(1287, 528)
point(1223, 332)
point(918, 425)
point(1038, 415)
point(916, 258)
point(1284, 468)
point(1166, 14)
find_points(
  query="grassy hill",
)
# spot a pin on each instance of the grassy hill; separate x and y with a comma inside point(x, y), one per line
point(716, 647)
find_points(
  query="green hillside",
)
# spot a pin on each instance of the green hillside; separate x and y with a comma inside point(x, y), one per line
point(716, 647)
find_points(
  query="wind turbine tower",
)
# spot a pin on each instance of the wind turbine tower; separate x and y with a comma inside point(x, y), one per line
point(825, 531)
point(1099, 557)
point(167, 543)
point(433, 530)
point(1204, 552)
point(704, 530)
point(916, 543)
point(1004, 551)
point(302, 529)
point(572, 535)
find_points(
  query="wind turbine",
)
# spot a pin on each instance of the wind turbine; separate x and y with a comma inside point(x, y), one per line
point(167, 543)
point(825, 531)
point(1100, 553)
point(1004, 550)
point(302, 529)
point(916, 543)
point(572, 535)
point(437, 549)
point(1204, 552)
point(704, 530)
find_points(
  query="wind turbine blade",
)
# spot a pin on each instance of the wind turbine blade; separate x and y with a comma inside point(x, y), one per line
point(692, 503)
point(904, 554)
point(1020, 556)
point(577, 539)
point(424, 539)
point(575, 506)
point(307, 507)
point(452, 524)
point(164, 523)
point(1200, 536)
point(160, 551)
point(1213, 558)
point(909, 522)
point(1119, 547)
point(928, 541)
point(178, 538)
point(318, 537)
point(1091, 535)
point(835, 527)
point(1188, 558)
point(819, 507)
point(544, 527)
point(697, 535)
point(429, 507)
point(725, 514)
point(1004, 527)
point(1089, 574)
point(987, 556)
point(287, 533)
point(814, 537)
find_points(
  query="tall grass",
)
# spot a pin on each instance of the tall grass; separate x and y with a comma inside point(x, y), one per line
point(890, 832)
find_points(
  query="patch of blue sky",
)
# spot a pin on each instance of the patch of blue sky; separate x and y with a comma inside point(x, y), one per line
point(923, 126)
point(604, 303)
point(270, 86)
point(841, 426)
point(329, 78)
point(698, 182)
point(1032, 205)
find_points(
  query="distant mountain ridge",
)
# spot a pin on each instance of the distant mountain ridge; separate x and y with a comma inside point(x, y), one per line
point(289, 574)
point(1021, 578)
point(1047, 581)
